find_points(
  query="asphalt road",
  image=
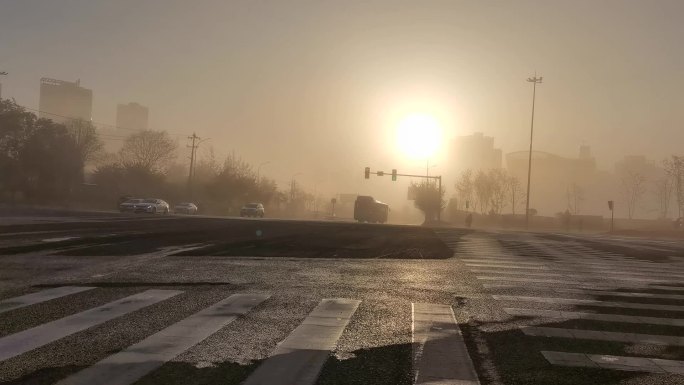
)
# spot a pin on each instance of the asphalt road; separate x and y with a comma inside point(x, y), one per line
point(600, 295)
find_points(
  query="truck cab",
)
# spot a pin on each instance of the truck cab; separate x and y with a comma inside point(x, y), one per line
point(368, 209)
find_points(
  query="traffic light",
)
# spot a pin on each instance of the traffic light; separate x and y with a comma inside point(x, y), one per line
point(367, 172)
point(394, 174)
point(610, 205)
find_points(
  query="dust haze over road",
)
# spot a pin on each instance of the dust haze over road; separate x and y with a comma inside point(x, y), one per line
point(343, 192)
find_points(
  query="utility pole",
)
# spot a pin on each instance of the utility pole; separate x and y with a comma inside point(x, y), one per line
point(534, 80)
point(193, 148)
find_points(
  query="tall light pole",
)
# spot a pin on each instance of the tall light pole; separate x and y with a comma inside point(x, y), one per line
point(292, 186)
point(259, 169)
point(534, 80)
point(2, 73)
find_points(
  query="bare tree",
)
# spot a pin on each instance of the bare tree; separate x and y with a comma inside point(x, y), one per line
point(150, 150)
point(575, 195)
point(663, 189)
point(85, 136)
point(515, 192)
point(483, 191)
point(674, 168)
point(499, 189)
point(464, 189)
point(633, 188)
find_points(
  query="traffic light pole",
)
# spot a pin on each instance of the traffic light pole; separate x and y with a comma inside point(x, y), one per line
point(395, 175)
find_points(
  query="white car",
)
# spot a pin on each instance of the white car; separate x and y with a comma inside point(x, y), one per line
point(152, 206)
point(185, 208)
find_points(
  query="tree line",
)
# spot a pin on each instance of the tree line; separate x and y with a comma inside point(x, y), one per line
point(44, 162)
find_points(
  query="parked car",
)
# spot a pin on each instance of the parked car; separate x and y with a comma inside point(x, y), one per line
point(152, 206)
point(252, 210)
point(185, 208)
point(128, 206)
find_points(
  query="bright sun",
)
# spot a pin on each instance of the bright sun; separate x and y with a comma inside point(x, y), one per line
point(419, 136)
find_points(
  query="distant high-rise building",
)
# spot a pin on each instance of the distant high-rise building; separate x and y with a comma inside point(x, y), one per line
point(475, 152)
point(132, 116)
point(62, 101)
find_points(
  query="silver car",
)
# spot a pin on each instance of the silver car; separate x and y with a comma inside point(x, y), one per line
point(152, 206)
point(129, 205)
point(185, 208)
point(252, 210)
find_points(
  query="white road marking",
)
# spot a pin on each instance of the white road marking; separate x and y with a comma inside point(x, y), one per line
point(640, 364)
point(440, 355)
point(22, 342)
point(300, 357)
point(38, 297)
point(595, 316)
point(597, 335)
point(577, 274)
point(589, 290)
point(590, 302)
point(58, 239)
point(594, 282)
point(128, 366)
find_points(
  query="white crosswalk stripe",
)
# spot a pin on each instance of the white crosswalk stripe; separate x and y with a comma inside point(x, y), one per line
point(540, 267)
point(633, 338)
point(639, 364)
point(128, 366)
point(595, 316)
point(300, 357)
point(41, 296)
point(18, 343)
point(440, 354)
point(590, 302)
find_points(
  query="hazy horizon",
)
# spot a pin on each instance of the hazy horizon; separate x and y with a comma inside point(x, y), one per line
point(318, 87)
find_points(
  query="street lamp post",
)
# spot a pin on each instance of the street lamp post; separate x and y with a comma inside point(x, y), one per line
point(259, 169)
point(534, 80)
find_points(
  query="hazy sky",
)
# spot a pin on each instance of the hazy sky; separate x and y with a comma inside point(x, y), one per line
point(317, 86)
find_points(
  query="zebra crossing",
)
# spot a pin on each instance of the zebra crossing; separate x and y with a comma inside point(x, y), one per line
point(602, 288)
point(298, 359)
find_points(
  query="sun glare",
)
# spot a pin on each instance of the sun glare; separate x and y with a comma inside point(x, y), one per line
point(419, 136)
